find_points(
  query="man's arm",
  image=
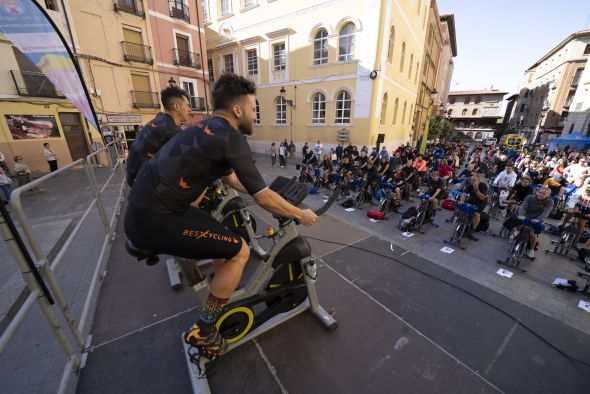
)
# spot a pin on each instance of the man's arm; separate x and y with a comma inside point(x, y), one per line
point(233, 181)
point(273, 202)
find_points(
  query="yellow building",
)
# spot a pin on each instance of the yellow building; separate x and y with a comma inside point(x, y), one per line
point(335, 71)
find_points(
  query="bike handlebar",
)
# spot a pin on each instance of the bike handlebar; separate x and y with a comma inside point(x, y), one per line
point(321, 210)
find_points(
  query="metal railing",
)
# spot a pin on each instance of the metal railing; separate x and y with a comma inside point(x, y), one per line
point(39, 273)
point(179, 10)
point(35, 84)
point(134, 7)
point(133, 52)
point(145, 99)
point(187, 58)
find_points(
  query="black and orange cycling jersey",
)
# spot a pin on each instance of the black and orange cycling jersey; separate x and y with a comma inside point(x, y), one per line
point(151, 138)
point(183, 169)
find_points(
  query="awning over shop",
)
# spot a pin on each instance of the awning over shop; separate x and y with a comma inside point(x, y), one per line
point(575, 140)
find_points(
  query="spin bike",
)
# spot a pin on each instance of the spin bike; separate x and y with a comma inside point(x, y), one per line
point(271, 291)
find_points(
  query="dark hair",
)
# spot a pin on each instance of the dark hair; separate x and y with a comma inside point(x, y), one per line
point(230, 88)
point(170, 94)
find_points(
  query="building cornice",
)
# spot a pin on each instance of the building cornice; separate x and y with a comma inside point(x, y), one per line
point(280, 33)
point(450, 20)
point(571, 37)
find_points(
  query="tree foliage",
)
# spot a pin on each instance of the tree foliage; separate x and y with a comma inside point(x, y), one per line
point(440, 128)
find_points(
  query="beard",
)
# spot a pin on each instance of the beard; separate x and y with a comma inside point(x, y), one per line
point(245, 126)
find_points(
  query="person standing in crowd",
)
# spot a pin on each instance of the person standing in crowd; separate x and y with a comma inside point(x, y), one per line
point(273, 154)
point(3, 164)
point(50, 157)
point(319, 150)
point(283, 155)
point(339, 151)
point(292, 150)
point(304, 149)
point(5, 188)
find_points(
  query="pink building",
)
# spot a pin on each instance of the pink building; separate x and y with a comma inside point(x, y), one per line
point(180, 51)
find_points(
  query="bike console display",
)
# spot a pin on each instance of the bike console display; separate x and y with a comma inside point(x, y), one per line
point(289, 189)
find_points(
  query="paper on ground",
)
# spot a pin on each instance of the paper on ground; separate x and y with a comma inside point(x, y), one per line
point(408, 234)
point(506, 273)
point(559, 281)
point(447, 250)
point(584, 305)
point(374, 220)
point(349, 209)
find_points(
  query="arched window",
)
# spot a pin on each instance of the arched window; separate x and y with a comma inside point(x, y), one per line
point(404, 112)
point(474, 112)
point(402, 58)
point(395, 108)
point(391, 45)
point(320, 47)
point(464, 112)
point(343, 105)
point(417, 72)
point(383, 110)
point(280, 110)
point(346, 42)
point(467, 100)
point(450, 112)
point(411, 64)
point(411, 116)
point(257, 109)
point(318, 109)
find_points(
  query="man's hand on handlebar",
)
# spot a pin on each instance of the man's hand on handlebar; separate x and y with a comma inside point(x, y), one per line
point(308, 217)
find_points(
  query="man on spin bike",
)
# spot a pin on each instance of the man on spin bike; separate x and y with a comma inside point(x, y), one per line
point(475, 193)
point(160, 216)
point(157, 132)
point(534, 210)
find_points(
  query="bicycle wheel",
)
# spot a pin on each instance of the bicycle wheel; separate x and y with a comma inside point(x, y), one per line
point(385, 206)
point(420, 219)
point(493, 209)
point(514, 253)
point(359, 199)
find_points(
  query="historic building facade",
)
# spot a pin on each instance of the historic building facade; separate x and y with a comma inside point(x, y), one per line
point(475, 113)
point(337, 71)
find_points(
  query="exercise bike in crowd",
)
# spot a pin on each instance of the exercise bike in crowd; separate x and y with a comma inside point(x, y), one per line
point(519, 248)
point(461, 220)
point(415, 217)
point(567, 239)
point(271, 291)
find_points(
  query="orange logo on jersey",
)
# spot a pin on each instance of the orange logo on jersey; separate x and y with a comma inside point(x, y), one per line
point(150, 155)
point(208, 131)
point(153, 124)
point(183, 184)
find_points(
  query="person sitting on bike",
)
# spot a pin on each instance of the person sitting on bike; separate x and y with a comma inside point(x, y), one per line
point(518, 193)
point(576, 173)
point(421, 167)
point(310, 160)
point(435, 189)
point(445, 171)
point(326, 169)
point(409, 173)
point(159, 130)
point(398, 182)
point(475, 193)
point(507, 178)
point(534, 210)
point(160, 216)
point(579, 202)
point(346, 168)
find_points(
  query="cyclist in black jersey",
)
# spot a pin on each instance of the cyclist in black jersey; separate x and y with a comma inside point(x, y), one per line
point(160, 215)
point(157, 132)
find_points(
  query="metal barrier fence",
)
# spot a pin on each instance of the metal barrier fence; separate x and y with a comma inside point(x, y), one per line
point(41, 282)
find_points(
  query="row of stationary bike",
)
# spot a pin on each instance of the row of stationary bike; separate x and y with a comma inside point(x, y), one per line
point(278, 282)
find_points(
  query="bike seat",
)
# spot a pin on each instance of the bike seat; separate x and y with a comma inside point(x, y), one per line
point(149, 256)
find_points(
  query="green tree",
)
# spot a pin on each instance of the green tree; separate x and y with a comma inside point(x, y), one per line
point(440, 128)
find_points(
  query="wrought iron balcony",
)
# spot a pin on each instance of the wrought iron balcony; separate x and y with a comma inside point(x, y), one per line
point(179, 10)
point(134, 7)
point(197, 103)
point(145, 99)
point(133, 52)
point(187, 58)
point(29, 83)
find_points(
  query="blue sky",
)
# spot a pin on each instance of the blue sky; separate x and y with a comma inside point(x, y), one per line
point(497, 40)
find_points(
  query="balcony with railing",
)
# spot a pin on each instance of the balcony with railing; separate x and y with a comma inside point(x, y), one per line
point(179, 10)
point(187, 58)
point(145, 99)
point(133, 52)
point(197, 103)
point(35, 84)
point(134, 7)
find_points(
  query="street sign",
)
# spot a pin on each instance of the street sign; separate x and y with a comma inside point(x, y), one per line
point(342, 135)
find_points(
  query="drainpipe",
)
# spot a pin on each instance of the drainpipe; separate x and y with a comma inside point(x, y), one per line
point(205, 80)
point(63, 6)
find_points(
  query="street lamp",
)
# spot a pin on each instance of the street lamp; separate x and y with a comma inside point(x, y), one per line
point(291, 105)
point(433, 96)
point(172, 82)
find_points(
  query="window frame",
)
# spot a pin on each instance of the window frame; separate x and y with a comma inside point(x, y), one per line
point(383, 115)
point(323, 47)
point(318, 108)
point(205, 11)
point(280, 66)
point(252, 72)
point(402, 57)
point(223, 13)
point(257, 111)
point(350, 43)
point(395, 111)
point(391, 45)
point(341, 103)
point(211, 70)
point(233, 66)
point(280, 110)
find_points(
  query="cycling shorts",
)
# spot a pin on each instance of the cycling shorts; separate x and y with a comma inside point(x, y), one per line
point(583, 210)
point(537, 228)
point(193, 234)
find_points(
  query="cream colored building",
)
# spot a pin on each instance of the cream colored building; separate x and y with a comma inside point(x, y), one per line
point(578, 118)
point(549, 87)
point(335, 71)
point(446, 64)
